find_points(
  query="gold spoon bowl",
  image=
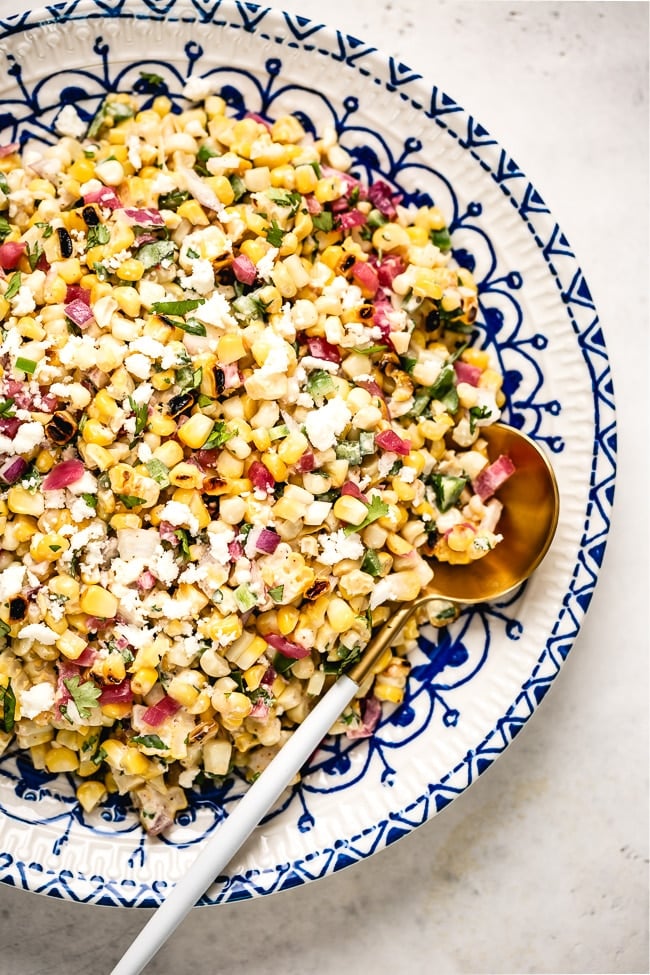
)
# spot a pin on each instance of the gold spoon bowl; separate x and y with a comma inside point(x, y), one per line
point(531, 506)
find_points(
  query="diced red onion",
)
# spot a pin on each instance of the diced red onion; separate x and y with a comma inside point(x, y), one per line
point(87, 658)
point(259, 710)
point(312, 204)
point(244, 269)
point(267, 541)
point(10, 254)
point(118, 694)
point(388, 269)
point(384, 198)
point(286, 647)
point(207, 458)
point(493, 476)
point(78, 312)
point(369, 721)
point(74, 292)
point(12, 470)
point(232, 378)
point(9, 149)
point(261, 477)
point(9, 426)
point(371, 387)
point(64, 474)
point(157, 713)
point(305, 463)
point(167, 532)
point(146, 581)
point(389, 440)
point(105, 196)
point(142, 217)
point(467, 373)
point(96, 623)
point(366, 276)
point(235, 550)
point(268, 676)
point(320, 348)
point(354, 491)
point(352, 218)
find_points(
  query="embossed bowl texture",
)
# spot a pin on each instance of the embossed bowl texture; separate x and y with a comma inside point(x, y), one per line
point(474, 685)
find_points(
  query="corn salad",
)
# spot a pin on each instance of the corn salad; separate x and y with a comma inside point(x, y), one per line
point(239, 417)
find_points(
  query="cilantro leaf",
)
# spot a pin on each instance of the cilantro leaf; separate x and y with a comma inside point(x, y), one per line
point(275, 234)
point(13, 287)
point(149, 741)
point(176, 307)
point(376, 509)
point(130, 500)
point(85, 696)
point(8, 701)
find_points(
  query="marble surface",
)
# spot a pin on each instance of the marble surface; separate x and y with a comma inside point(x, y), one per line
point(542, 865)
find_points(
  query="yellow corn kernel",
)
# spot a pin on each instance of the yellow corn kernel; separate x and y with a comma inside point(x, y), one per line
point(131, 270)
point(349, 509)
point(116, 711)
point(192, 211)
point(64, 585)
point(96, 456)
point(275, 465)
point(48, 548)
point(97, 601)
point(128, 300)
point(71, 645)
point(135, 763)
point(390, 237)
point(398, 545)
point(70, 270)
point(222, 188)
point(61, 759)
point(143, 680)
point(22, 502)
point(164, 379)
point(91, 794)
point(24, 528)
point(340, 615)
point(230, 348)
point(292, 448)
point(306, 179)
point(182, 691)
point(288, 617)
point(196, 430)
point(253, 676)
point(388, 692)
point(29, 328)
point(261, 439)
point(95, 432)
point(82, 170)
point(254, 248)
point(228, 466)
point(169, 453)
point(417, 236)
point(404, 491)
point(161, 425)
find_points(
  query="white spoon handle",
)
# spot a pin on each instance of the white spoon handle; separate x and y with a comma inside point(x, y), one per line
point(217, 852)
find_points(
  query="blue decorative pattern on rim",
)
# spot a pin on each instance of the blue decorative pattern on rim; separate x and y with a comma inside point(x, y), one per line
point(448, 661)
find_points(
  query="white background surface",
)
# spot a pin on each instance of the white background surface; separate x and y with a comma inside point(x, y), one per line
point(542, 865)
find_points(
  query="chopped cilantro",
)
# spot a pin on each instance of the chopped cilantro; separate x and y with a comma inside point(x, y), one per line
point(149, 741)
point(172, 200)
point(130, 500)
point(323, 221)
point(85, 696)
point(13, 287)
point(100, 234)
point(478, 413)
point(155, 252)
point(141, 412)
point(151, 79)
point(218, 436)
point(275, 234)
point(176, 307)
point(276, 593)
point(376, 509)
point(90, 499)
point(7, 408)
point(8, 701)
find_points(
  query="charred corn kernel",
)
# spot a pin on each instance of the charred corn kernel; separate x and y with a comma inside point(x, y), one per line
point(130, 270)
point(97, 601)
point(196, 430)
point(230, 348)
point(48, 548)
point(186, 475)
point(349, 509)
point(143, 680)
point(71, 645)
point(340, 615)
point(23, 502)
point(288, 617)
point(193, 212)
point(61, 759)
point(91, 794)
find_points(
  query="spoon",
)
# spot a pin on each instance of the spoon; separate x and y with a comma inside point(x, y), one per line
point(531, 506)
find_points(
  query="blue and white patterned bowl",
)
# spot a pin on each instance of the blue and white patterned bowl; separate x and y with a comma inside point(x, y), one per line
point(474, 685)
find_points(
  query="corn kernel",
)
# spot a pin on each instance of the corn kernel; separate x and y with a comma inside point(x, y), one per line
point(48, 548)
point(71, 645)
point(97, 601)
point(91, 794)
point(130, 270)
point(196, 430)
point(61, 759)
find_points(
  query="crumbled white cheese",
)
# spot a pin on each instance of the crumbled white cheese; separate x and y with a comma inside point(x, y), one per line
point(80, 351)
point(165, 568)
point(145, 452)
point(23, 302)
point(385, 462)
point(326, 423)
point(127, 571)
point(138, 365)
point(197, 88)
point(143, 393)
point(149, 347)
point(36, 699)
point(68, 122)
point(11, 580)
point(40, 633)
point(133, 151)
point(55, 499)
point(201, 279)
point(179, 515)
point(215, 311)
point(81, 511)
point(87, 484)
point(338, 546)
point(266, 264)
point(135, 636)
point(219, 542)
